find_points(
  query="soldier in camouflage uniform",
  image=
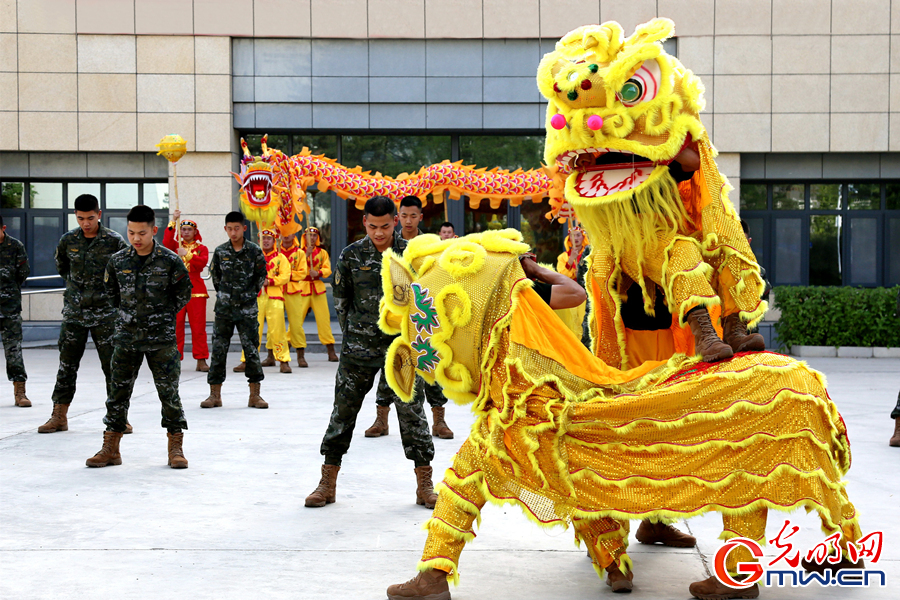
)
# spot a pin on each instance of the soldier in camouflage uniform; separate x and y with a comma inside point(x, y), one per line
point(148, 284)
point(238, 270)
point(14, 270)
point(81, 258)
point(357, 293)
point(410, 218)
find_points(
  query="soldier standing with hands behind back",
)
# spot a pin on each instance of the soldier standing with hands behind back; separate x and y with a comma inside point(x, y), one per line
point(81, 259)
point(14, 270)
point(149, 284)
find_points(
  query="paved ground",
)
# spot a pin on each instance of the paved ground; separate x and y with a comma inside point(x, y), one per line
point(233, 525)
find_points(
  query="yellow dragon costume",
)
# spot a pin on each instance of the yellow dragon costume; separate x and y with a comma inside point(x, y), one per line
point(574, 441)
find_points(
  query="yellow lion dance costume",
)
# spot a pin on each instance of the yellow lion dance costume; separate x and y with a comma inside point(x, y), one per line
point(621, 115)
point(571, 440)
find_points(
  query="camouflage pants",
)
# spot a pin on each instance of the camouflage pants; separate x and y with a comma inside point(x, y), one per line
point(165, 365)
point(72, 340)
point(352, 383)
point(433, 394)
point(11, 333)
point(223, 329)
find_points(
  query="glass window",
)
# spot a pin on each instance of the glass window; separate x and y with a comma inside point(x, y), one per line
point(320, 214)
point(119, 225)
point(756, 235)
point(863, 251)
point(121, 195)
point(317, 144)
point(787, 251)
point(825, 250)
point(394, 154)
point(753, 196)
point(788, 196)
point(825, 196)
point(46, 195)
point(863, 196)
point(276, 142)
point(893, 252)
point(13, 226)
point(484, 217)
point(11, 194)
point(892, 196)
point(543, 235)
point(504, 151)
point(46, 230)
point(355, 229)
point(156, 195)
point(71, 221)
point(77, 189)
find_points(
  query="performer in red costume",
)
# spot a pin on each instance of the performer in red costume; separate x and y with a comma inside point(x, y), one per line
point(195, 256)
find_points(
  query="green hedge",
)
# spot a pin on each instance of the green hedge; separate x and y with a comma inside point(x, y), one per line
point(837, 316)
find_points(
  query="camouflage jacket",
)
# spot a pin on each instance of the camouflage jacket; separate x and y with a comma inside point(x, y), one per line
point(14, 270)
point(148, 296)
point(237, 277)
point(81, 262)
point(357, 294)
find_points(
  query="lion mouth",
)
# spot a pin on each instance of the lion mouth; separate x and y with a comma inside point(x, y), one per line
point(258, 186)
point(599, 172)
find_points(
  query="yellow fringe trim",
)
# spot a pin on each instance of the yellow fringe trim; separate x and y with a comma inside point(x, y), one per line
point(456, 534)
point(441, 564)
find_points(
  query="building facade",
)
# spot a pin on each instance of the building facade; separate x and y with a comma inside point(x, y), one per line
point(803, 103)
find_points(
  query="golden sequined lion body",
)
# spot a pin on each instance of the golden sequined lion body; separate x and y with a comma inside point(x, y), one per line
point(571, 440)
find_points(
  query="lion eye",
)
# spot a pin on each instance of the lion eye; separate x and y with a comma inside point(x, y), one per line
point(643, 85)
point(631, 92)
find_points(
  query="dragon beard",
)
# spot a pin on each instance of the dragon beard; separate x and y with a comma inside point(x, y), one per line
point(632, 224)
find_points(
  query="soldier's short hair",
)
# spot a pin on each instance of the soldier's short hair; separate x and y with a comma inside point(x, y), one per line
point(378, 206)
point(141, 214)
point(87, 203)
point(1, 220)
point(234, 217)
point(411, 201)
point(448, 224)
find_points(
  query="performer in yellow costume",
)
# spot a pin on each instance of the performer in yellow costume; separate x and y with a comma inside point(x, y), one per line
point(573, 441)
point(312, 295)
point(567, 264)
point(271, 301)
point(290, 249)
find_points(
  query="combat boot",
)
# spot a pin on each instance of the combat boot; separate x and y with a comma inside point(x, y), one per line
point(431, 584)
point(660, 533)
point(332, 357)
point(242, 366)
point(285, 367)
point(269, 360)
point(256, 400)
point(706, 341)
point(713, 589)
point(109, 453)
point(215, 396)
point(128, 428)
point(736, 336)
point(380, 426)
point(57, 421)
point(440, 429)
point(301, 358)
point(21, 399)
point(621, 583)
point(176, 454)
point(327, 488)
point(202, 366)
point(425, 493)
point(895, 439)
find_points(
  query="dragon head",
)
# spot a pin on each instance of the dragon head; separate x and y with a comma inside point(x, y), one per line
point(271, 194)
point(619, 110)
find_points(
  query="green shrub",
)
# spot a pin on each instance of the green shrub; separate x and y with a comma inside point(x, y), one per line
point(837, 316)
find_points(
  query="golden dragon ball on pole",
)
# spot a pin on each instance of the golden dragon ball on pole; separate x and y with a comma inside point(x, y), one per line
point(173, 147)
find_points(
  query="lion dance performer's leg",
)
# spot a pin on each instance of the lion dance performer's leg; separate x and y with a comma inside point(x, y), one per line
point(751, 525)
point(607, 542)
point(459, 504)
